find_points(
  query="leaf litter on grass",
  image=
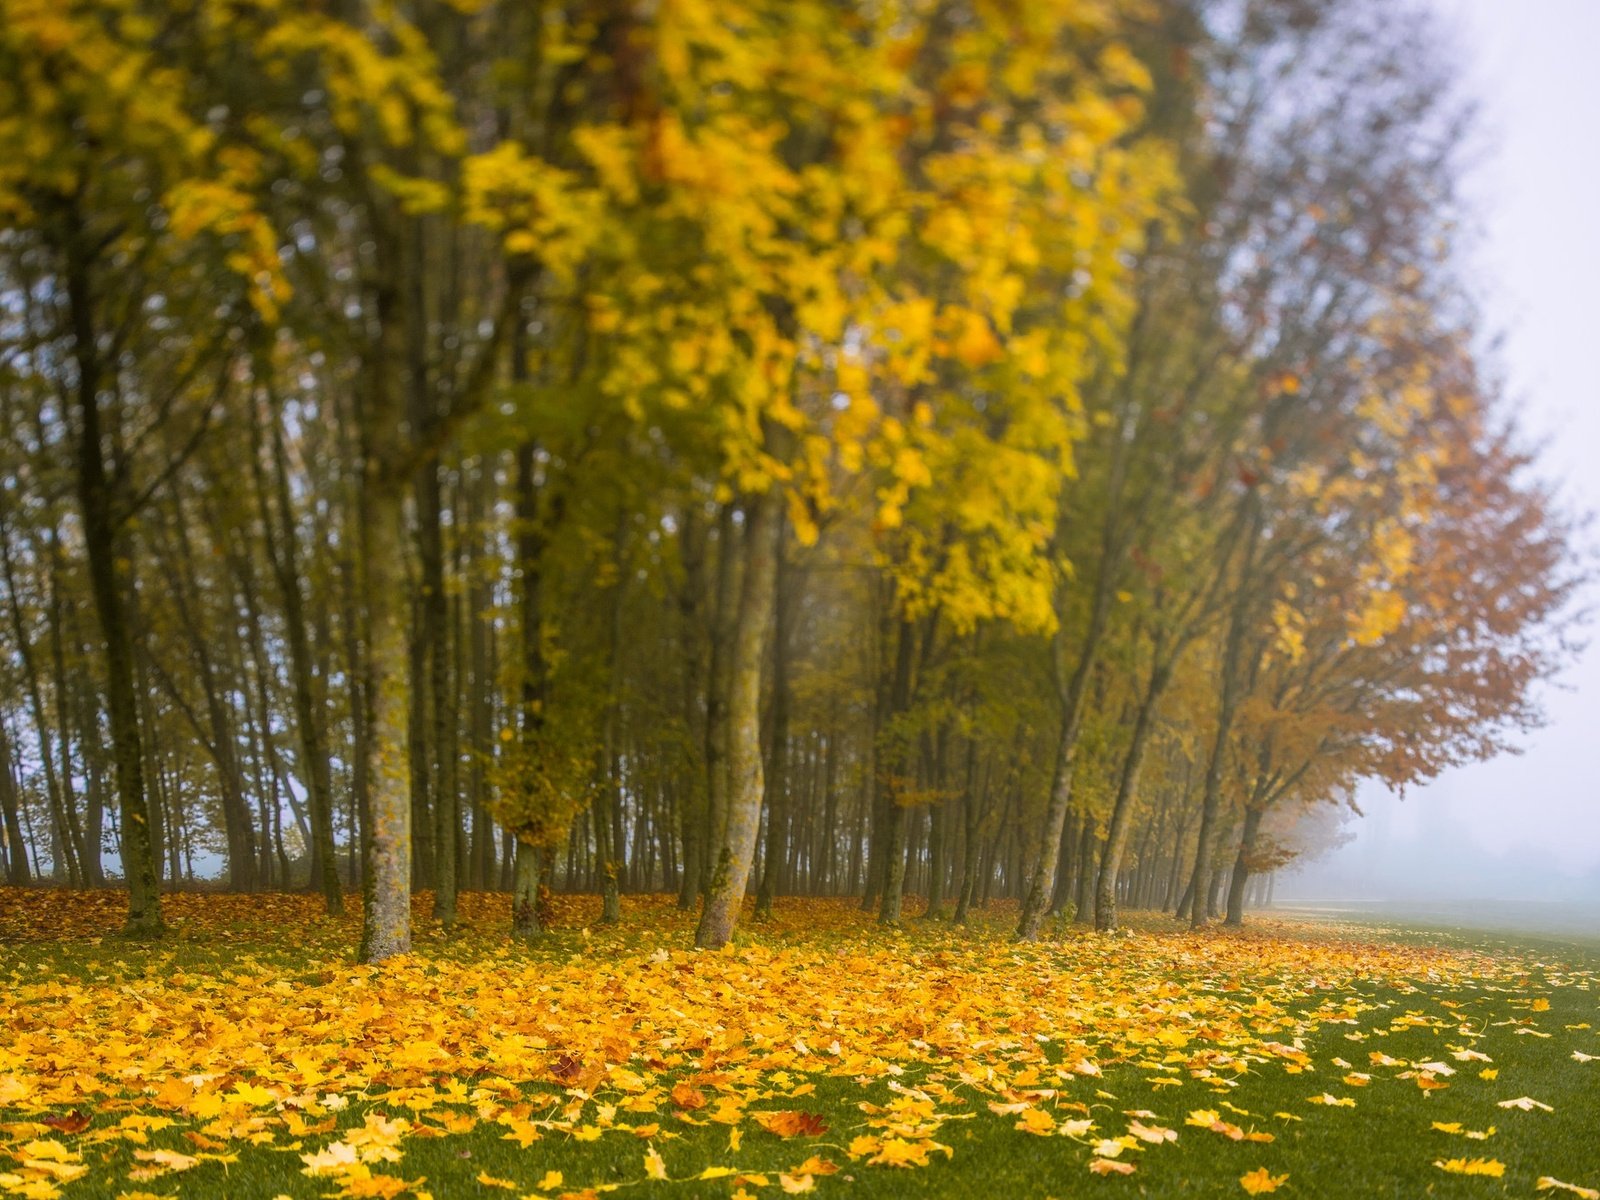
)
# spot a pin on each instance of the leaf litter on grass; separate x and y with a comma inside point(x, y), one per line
point(233, 1044)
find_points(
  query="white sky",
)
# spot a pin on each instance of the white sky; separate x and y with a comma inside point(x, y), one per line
point(1536, 187)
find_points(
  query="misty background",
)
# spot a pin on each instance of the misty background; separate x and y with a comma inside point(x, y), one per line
point(1524, 828)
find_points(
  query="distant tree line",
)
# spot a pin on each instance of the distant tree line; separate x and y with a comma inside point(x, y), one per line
point(942, 447)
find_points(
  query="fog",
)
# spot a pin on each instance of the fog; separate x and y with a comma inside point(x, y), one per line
point(1523, 828)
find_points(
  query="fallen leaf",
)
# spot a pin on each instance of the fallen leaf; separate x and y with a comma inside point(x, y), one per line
point(1260, 1181)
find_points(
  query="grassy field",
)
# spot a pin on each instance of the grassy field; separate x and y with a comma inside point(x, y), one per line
point(245, 1056)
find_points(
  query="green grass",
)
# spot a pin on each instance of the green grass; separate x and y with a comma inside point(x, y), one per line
point(1382, 1147)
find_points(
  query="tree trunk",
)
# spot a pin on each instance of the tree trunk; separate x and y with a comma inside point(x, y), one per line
point(971, 830)
point(1065, 861)
point(525, 924)
point(1227, 707)
point(736, 850)
point(386, 880)
point(718, 698)
point(19, 860)
point(1241, 866)
point(693, 813)
point(1105, 899)
point(386, 821)
point(608, 803)
point(17, 873)
point(100, 547)
point(1041, 886)
point(1084, 913)
point(309, 708)
point(435, 612)
point(777, 779)
point(893, 784)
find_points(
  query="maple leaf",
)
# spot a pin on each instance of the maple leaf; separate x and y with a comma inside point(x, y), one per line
point(170, 1160)
point(1153, 1134)
point(1260, 1181)
point(332, 1159)
point(489, 1180)
point(1036, 1121)
point(253, 1095)
point(1474, 1166)
point(688, 1097)
point(898, 1152)
point(654, 1165)
point(73, 1122)
point(1526, 1104)
point(1107, 1166)
point(815, 1165)
point(791, 1123)
point(1333, 1101)
point(795, 1184)
point(1548, 1183)
point(566, 1068)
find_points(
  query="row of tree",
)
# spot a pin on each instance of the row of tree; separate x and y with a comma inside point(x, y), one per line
point(943, 446)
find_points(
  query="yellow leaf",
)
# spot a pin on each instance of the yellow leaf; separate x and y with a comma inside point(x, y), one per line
point(1106, 1166)
point(1036, 1121)
point(1547, 1183)
point(1473, 1166)
point(654, 1165)
point(1260, 1181)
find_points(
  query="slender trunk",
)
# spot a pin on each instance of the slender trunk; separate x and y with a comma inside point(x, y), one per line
point(1227, 707)
point(92, 837)
point(938, 826)
point(1241, 866)
point(822, 879)
point(608, 838)
point(16, 849)
point(36, 705)
point(693, 813)
point(524, 863)
point(386, 826)
point(719, 682)
point(1041, 886)
point(971, 811)
point(893, 787)
point(100, 547)
point(1084, 913)
point(777, 780)
point(736, 850)
point(221, 734)
point(436, 615)
point(64, 853)
point(417, 739)
point(386, 877)
point(1105, 900)
point(309, 710)
point(1062, 892)
point(480, 593)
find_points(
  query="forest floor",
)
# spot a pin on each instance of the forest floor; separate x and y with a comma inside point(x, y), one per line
point(247, 1056)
